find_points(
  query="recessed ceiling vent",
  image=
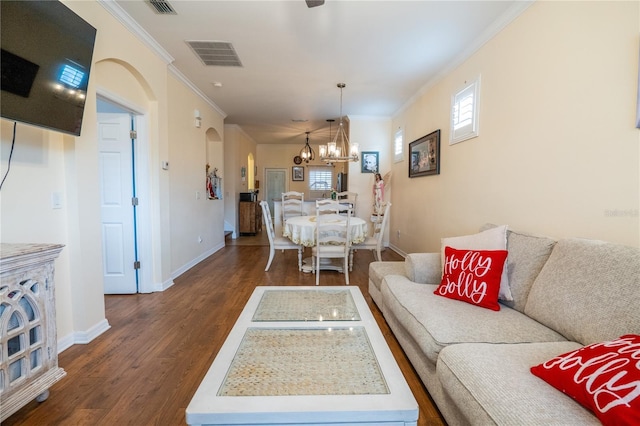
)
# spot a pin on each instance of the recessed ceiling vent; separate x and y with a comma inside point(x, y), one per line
point(162, 7)
point(215, 53)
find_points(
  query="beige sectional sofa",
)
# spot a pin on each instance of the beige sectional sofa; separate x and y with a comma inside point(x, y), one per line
point(476, 362)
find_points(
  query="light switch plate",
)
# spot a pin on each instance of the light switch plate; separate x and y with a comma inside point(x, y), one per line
point(56, 200)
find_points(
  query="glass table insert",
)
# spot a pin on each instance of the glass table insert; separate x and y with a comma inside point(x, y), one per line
point(304, 355)
point(307, 305)
point(313, 361)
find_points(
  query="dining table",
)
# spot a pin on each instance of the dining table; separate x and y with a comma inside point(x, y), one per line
point(302, 230)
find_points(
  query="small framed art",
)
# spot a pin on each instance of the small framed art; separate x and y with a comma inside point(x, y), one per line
point(424, 154)
point(297, 173)
point(370, 161)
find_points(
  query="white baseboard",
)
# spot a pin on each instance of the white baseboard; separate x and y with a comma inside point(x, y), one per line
point(163, 286)
point(83, 337)
point(397, 250)
point(194, 262)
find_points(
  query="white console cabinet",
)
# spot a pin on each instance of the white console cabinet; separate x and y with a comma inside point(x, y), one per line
point(28, 341)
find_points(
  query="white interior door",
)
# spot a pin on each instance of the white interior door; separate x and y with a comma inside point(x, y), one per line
point(276, 184)
point(117, 190)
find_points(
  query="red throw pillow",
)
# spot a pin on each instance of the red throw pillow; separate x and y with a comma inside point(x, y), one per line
point(472, 276)
point(603, 377)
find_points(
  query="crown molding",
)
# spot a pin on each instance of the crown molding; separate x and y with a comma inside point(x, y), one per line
point(494, 29)
point(176, 72)
point(125, 19)
point(241, 130)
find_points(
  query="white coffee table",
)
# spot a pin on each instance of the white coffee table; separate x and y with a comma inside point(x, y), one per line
point(303, 356)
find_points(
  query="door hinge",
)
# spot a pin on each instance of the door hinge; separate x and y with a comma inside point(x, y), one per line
point(136, 264)
point(133, 134)
point(134, 201)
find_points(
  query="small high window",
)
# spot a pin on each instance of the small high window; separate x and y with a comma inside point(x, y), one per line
point(464, 112)
point(398, 148)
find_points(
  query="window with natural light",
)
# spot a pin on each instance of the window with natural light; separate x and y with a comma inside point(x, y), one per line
point(464, 112)
point(398, 148)
point(320, 181)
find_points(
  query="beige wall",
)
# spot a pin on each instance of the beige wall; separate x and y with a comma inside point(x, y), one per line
point(237, 148)
point(280, 156)
point(558, 151)
point(196, 221)
point(371, 133)
point(45, 162)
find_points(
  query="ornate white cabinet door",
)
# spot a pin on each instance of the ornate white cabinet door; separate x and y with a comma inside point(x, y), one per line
point(28, 341)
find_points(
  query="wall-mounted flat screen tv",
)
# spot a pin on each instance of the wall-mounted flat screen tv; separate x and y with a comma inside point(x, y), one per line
point(46, 59)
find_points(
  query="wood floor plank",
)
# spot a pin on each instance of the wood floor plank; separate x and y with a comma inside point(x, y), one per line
point(145, 369)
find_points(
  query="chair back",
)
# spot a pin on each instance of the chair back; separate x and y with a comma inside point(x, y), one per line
point(333, 236)
point(292, 202)
point(349, 198)
point(332, 232)
point(327, 206)
point(266, 214)
point(381, 222)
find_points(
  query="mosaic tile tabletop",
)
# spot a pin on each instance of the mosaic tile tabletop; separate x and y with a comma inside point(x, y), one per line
point(316, 361)
point(306, 305)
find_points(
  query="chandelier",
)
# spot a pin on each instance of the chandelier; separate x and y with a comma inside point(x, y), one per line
point(341, 152)
point(306, 153)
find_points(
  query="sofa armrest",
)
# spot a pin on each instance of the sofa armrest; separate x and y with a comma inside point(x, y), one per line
point(423, 268)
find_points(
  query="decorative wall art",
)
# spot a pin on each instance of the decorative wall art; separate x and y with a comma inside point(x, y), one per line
point(424, 154)
point(370, 161)
point(297, 173)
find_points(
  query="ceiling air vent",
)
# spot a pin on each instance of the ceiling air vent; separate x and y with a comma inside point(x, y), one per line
point(218, 53)
point(162, 7)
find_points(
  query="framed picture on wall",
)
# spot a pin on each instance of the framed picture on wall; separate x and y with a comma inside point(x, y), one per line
point(297, 173)
point(370, 162)
point(424, 154)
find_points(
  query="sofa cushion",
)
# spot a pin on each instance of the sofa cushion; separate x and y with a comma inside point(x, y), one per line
point(603, 377)
point(472, 276)
point(423, 268)
point(585, 291)
point(377, 272)
point(490, 239)
point(492, 384)
point(527, 255)
point(435, 322)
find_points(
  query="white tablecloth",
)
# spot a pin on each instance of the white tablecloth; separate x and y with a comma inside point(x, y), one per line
point(302, 229)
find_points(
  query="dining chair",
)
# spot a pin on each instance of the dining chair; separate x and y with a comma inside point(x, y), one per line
point(350, 198)
point(292, 203)
point(333, 240)
point(374, 241)
point(327, 206)
point(277, 242)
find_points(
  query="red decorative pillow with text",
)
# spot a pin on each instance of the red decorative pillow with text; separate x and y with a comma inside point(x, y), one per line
point(603, 377)
point(472, 276)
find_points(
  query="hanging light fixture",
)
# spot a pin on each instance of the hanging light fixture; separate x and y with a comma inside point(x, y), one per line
point(330, 121)
point(343, 151)
point(306, 153)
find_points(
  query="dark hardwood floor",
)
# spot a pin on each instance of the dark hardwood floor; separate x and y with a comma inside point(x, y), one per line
point(147, 366)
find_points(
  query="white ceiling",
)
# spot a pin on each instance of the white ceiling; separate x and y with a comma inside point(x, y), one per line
point(293, 56)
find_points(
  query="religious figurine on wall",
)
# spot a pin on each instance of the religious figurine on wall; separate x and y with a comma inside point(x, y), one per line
point(212, 183)
point(378, 191)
